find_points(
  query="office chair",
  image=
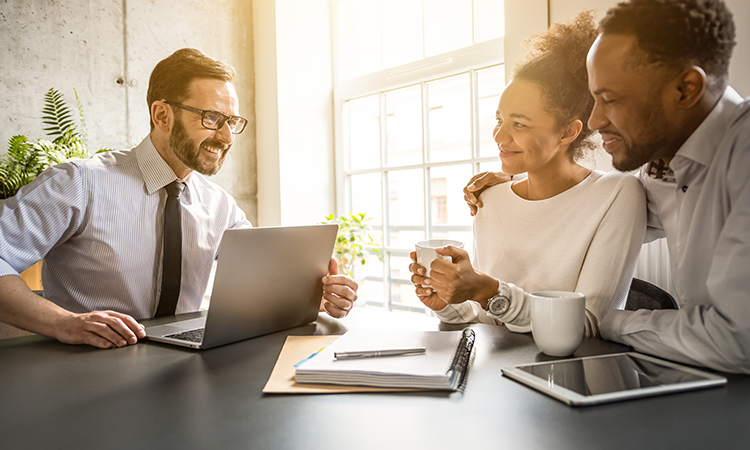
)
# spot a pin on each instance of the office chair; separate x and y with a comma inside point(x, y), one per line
point(644, 295)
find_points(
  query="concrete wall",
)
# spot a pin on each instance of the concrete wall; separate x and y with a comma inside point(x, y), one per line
point(106, 49)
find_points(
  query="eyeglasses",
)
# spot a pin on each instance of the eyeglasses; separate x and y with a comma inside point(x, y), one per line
point(214, 120)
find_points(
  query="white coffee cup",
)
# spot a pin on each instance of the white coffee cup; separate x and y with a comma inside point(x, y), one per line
point(557, 319)
point(426, 251)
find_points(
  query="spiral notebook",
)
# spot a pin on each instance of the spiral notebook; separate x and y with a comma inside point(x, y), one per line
point(443, 365)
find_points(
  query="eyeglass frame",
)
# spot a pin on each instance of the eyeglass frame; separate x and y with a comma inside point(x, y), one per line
point(224, 118)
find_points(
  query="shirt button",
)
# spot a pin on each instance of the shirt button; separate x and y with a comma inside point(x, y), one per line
point(684, 189)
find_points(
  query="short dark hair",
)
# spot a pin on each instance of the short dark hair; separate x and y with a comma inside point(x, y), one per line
point(557, 65)
point(678, 33)
point(172, 76)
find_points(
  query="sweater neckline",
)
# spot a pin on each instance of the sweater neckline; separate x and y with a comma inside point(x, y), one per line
point(566, 193)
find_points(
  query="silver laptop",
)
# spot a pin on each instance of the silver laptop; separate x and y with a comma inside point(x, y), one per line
point(267, 279)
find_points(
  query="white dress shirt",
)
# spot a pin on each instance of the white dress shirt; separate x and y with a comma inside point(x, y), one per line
point(704, 212)
point(98, 224)
point(586, 239)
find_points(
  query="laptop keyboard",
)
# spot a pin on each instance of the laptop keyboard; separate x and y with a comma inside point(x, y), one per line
point(189, 335)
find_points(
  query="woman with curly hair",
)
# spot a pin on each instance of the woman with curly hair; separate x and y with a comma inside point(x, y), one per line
point(561, 227)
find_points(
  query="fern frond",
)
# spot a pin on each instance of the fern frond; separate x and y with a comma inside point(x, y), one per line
point(56, 114)
point(19, 148)
point(49, 153)
point(25, 160)
point(84, 134)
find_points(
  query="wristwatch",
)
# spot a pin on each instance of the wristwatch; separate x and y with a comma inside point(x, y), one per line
point(499, 303)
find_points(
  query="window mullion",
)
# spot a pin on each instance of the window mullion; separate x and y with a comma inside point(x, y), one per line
point(385, 204)
point(474, 89)
point(425, 159)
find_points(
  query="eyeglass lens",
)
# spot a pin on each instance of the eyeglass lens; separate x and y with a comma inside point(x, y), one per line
point(215, 120)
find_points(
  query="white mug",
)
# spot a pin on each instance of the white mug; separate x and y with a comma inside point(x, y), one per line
point(557, 321)
point(426, 251)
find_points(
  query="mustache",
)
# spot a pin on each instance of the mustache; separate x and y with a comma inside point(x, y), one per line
point(604, 131)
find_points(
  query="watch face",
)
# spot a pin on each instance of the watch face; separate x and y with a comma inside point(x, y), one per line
point(498, 306)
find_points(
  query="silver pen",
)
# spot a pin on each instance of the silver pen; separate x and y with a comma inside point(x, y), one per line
point(379, 353)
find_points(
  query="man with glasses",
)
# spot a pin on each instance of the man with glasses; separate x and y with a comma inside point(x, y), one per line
point(102, 225)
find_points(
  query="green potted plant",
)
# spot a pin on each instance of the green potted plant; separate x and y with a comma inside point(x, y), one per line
point(353, 242)
point(24, 160)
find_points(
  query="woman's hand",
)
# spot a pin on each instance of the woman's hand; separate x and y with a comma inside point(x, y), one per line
point(458, 281)
point(422, 286)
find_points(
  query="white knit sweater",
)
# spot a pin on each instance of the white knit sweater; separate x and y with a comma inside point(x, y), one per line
point(585, 239)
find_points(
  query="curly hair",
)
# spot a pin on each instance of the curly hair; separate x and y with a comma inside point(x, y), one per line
point(678, 33)
point(171, 77)
point(556, 63)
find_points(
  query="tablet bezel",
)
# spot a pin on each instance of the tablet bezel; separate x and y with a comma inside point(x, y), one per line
point(575, 399)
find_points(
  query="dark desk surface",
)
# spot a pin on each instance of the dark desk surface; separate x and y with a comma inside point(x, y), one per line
point(152, 396)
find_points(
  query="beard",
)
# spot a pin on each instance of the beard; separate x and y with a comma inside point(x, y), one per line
point(652, 140)
point(638, 154)
point(189, 153)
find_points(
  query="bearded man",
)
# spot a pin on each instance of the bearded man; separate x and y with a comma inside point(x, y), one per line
point(99, 223)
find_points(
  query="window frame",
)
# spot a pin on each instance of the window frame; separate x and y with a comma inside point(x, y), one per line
point(468, 59)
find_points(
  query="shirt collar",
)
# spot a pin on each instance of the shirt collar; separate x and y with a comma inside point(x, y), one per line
point(701, 146)
point(156, 172)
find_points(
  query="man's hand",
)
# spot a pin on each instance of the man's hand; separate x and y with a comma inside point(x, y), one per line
point(422, 286)
point(103, 329)
point(21, 307)
point(477, 184)
point(339, 292)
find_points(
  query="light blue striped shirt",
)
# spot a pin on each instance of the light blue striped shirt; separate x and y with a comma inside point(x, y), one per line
point(98, 224)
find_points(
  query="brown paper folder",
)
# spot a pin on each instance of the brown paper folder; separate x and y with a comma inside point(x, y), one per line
point(297, 348)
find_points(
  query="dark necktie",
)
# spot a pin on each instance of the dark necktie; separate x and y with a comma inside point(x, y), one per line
point(172, 259)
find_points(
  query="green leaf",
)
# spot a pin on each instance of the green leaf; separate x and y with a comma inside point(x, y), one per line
point(56, 114)
point(25, 160)
point(353, 243)
point(84, 132)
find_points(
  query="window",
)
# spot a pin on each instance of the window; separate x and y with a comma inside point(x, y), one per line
point(418, 82)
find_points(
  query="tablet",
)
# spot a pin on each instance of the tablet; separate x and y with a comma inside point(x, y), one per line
point(608, 378)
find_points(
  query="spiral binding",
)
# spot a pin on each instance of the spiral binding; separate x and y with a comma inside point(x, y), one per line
point(462, 357)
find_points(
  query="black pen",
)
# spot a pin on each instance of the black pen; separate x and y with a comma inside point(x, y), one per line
point(379, 353)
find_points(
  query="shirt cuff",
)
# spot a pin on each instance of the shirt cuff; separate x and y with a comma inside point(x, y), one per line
point(611, 325)
point(449, 314)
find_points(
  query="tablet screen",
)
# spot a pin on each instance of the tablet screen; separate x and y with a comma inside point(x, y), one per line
point(621, 372)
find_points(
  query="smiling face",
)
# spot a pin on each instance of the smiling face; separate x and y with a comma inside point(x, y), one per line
point(528, 137)
point(630, 110)
point(193, 146)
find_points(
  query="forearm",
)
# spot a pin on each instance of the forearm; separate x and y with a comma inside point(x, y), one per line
point(697, 335)
point(22, 308)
